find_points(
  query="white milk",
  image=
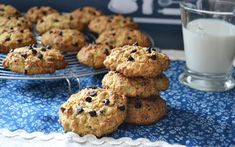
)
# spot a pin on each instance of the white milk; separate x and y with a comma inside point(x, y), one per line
point(209, 46)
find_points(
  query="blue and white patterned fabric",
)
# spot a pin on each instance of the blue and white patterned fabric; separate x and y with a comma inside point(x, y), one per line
point(194, 117)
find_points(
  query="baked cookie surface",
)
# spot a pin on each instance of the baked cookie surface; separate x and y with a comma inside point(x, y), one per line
point(58, 21)
point(11, 38)
point(86, 14)
point(33, 60)
point(123, 36)
point(9, 22)
point(93, 111)
point(67, 40)
point(136, 61)
point(145, 111)
point(8, 10)
point(36, 13)
point(102, 23)
point(93, 55)
point(135, 87)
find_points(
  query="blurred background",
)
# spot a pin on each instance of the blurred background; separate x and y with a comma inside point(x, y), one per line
point(159, 18)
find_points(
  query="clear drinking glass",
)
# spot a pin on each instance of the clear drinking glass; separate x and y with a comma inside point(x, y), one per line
point(209, 44)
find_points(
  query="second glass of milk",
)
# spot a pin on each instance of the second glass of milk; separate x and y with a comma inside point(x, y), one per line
point(209, 44)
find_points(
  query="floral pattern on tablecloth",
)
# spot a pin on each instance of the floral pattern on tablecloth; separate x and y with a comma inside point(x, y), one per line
point(194, 117)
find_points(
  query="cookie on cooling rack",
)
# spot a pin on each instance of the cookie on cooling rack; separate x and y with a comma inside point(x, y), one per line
point(86, 14)
point(36, 13)
point(145, 111)
point(58, 21)
point(123, 36)
point(8, 22)
point(8, 10)
point(133, 87)
point(137, 61)
point(102, 23)
point(34, 60)
point(93, 111)
point(93, 55)
point(67, 40)
point(14, 37)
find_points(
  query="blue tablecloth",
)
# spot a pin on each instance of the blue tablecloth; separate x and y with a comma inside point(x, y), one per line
point(194, 117)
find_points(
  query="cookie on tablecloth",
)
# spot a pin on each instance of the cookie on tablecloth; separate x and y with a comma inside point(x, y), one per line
point(8, 10)
point(93, 111)
point(8, 22)
point(34, 60)
point(102, 23)
point(123, 36)
point(137, 61)
point(93, 55)
point(36, 13)
point(145, 111)
point(58, 21)
point(86, 14)
point(67, 40)
point(11, 38)
point(133, 87)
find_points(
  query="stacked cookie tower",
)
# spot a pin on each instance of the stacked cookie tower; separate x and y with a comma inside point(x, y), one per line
point(136, 72)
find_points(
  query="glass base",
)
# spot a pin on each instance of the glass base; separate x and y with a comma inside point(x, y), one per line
point(206, 82)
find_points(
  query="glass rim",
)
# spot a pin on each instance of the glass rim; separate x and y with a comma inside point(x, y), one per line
point(184, 6)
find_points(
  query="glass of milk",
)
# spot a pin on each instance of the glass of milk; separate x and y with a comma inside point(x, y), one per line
point(209, 44)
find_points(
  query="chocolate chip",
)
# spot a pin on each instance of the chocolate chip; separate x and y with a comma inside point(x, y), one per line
point(1, 9)
point(75, 44)
point(61, 33)
point(133, 51)
point(106, 51)
point(106, 102)
point(102, 111)
point(8, 39)
point(129, 38)
point(138, 104)
point(34, 52)
point(136, 44)
point(19, 40)
point(19, 25)
point(30, 47)
point(79, 110)
point(25, 71)
point(8, 17)
point(88, 99)
point(48, 47)
point(92, 113)
point(21, 31)
point(130, 58)
point(70, 17)
point(93, 93)
point(62, 109)
point(41, 21)
point(122, 108)
point(11, 28)
point(40, 56)
point(43, 49)
point(153, 57)
point(113, 34)
point(44, 12)
point(149, 49)
point(153, 49)
point(56, 20)
point(50, 32)
point(34, 45)
point(24, 55)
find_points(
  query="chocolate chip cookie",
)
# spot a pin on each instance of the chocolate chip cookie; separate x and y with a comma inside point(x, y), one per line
point(34, 60)
point(8, 10)
point(86, 14)
point(123, 36)
point(137, 61)
point(11, 38)
point(8, 22)
point(145, 111)
point(93, 111)
point(93, 55)
point(67, 40)
point(36, 13)
point(58, 21)
point(102, 23)
point(133, 87)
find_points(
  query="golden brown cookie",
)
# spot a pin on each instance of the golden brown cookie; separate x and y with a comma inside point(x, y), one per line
point(67, 40)
point(58, 21)
point(123, 36)
point(11, 38)
point(33, 60)
point(93, 111)
point(102, 23)
point(36, 13)
point(9, 22)
point(86, 14)
point(145, 111)
point(8, 10)
point(133, 87)
point(137, 61)
point(93, 55)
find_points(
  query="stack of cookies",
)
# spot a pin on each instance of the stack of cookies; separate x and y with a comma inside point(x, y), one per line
point(136, 72)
